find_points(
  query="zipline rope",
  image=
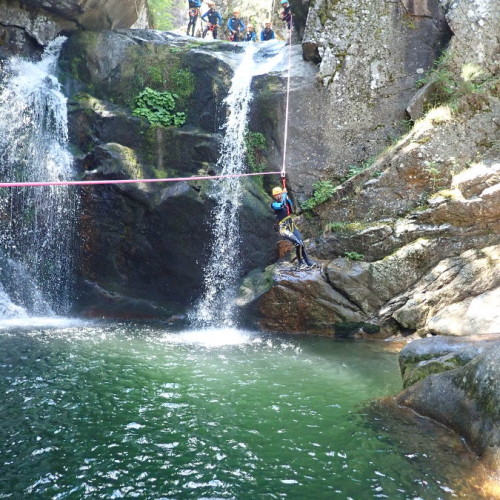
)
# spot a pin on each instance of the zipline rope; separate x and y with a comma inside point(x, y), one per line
point(128, 181)
point(285, 138)
point(282, 173)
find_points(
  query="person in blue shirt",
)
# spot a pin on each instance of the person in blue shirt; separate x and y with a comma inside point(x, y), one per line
point(236, 27)
point(194, 12)
point(267, 33)
point(213, 19)
point(283, 210)
point(250, 35)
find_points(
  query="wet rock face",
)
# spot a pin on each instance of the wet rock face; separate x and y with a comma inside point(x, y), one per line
point(457, 383)
point(145, 245)
point(285, 299)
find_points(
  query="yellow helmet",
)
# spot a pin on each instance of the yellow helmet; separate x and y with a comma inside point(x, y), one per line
point(277, 190)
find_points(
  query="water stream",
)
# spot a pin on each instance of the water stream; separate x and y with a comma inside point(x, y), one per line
point(114, 410)
point(36, 224)
point(108, 410)
point(216, 306)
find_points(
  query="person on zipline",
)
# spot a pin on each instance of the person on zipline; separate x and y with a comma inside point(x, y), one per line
point(235, 26)
point(267, 33)
point(250, 35)
point(283, 209)
point(213, 19)
point(194, 12)
point(286, 13)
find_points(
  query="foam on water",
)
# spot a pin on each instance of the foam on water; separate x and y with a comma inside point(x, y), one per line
point(213, 337)
point(30, 322)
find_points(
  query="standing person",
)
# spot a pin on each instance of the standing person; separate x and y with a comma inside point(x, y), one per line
point(286, 13)
point(235, 26)
point(267, 33)
point(283, 209)
point(213, 19)
point(194, 12)
point(250, 36)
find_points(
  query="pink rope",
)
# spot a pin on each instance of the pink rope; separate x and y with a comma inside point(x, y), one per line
point(126, 181)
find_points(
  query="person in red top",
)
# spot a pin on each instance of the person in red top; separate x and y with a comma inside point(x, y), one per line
point(286, 13)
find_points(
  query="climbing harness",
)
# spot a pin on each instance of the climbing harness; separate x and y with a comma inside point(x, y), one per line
point(209, 27)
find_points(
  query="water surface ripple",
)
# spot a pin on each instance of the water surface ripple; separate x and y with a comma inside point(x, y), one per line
point(132, 410)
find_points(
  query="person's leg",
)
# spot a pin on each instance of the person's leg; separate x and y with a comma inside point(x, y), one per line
point(305, 256)
point(303, 253)
point(215, 33)
point(291, 236)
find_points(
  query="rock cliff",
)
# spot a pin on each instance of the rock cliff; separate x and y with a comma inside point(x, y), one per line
point(410, 237)
point(28, 25)
point(406, 132)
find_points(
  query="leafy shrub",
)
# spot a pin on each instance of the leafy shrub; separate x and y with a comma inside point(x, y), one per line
point(336, 227)
point(354, 256)
point(158, 108)
point(256, 144)
point(449, 86)
point(322, 191)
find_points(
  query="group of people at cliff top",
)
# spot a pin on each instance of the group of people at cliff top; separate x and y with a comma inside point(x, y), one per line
point(237, 31)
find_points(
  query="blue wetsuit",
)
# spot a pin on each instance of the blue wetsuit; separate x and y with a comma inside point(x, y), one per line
point(236, 26)
point(266, 34)
point(250, 37)
point(283, 210)
point(214, 19)
point(194, 11)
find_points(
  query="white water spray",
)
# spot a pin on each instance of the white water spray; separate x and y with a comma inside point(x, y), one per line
point(223, 270)
point(36, 224)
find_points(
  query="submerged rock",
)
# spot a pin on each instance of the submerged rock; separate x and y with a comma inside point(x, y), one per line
point(457, 383)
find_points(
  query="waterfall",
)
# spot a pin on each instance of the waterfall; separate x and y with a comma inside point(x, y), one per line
point(36, 223)
point(222, 272)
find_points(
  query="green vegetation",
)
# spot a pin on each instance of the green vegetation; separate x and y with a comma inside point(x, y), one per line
point(322, 191)
point(354, 256)
point(435, 174)
point(347, 227)
point(256, 144)
point(354, 170)
point(160, 69)
point(336, 227)
point(158, 108)
point(449, 86)
point(160, 12)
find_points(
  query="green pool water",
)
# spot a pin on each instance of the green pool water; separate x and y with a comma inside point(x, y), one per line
point(109, 410)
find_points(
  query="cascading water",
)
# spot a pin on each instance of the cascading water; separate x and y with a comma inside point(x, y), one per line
point(216, 305)
point(36, 223)
point(222, 273)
